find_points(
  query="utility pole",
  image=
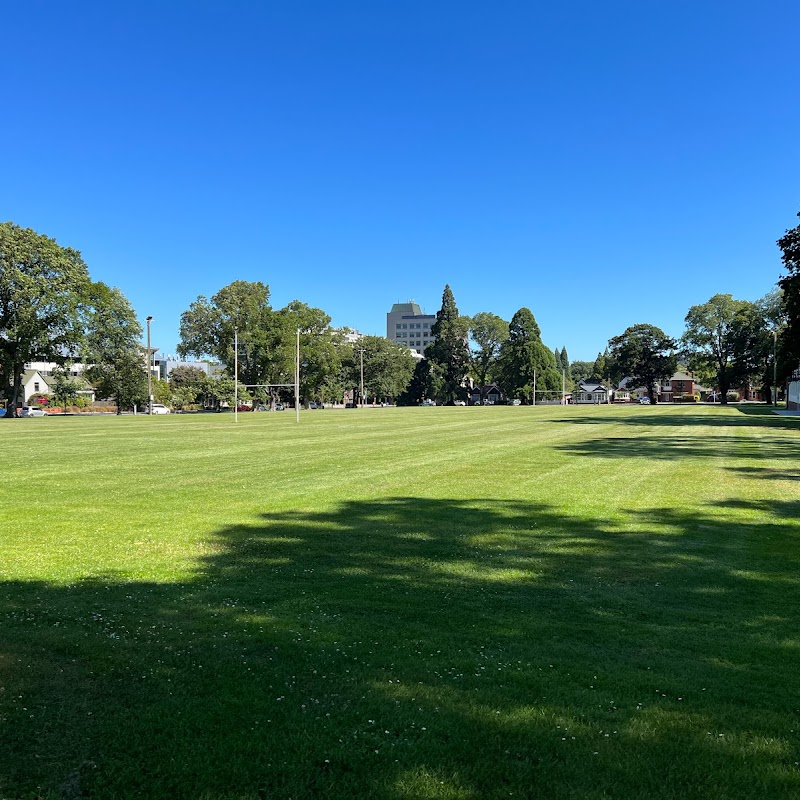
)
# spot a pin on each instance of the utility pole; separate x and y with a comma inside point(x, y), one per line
point(563, 387)
point(534, 387)
point(149, 371)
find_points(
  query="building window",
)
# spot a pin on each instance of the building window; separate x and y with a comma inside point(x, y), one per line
point(404, 326)
point(425, 325)
point(36, 386)
point(397, 325)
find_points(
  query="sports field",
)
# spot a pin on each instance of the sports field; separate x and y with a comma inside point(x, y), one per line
point(402, 603)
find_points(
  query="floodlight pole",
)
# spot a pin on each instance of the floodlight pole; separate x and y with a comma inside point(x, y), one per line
point(297, 379)
point(149, 370)
point(235, 374)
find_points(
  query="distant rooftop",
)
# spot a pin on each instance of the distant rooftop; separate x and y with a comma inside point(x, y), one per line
point(406, 308)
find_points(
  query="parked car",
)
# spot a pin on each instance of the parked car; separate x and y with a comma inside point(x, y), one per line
point(515, 402)
point(32, 411)
point(428, 403)
point(316, 405)
point(460, 403)
point(644, 401)
point(279, 406)
point(158, 408)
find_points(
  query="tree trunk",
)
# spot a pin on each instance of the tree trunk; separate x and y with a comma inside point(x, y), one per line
point(16, 390)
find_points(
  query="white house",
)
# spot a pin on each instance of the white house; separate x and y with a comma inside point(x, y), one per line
point(590, 391)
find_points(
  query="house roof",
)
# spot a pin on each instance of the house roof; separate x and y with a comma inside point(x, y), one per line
point(591, 386)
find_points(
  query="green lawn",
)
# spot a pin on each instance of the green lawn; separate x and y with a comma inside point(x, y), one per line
point(402, 603)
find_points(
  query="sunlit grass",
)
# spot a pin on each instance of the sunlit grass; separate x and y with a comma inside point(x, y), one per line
point(402, 603)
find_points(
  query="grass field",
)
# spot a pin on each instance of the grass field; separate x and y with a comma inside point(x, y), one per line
point(402, 603)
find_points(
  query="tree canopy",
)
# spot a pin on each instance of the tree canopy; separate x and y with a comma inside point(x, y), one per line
point(645, 354)
point(789, 244)
point(525, 360)
point(725, 339)
point(449, 353)
point(43, 301)
point(488, 332)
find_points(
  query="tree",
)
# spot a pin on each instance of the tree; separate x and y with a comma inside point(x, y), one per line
point(724, 338)
point(123, 379)
point(320, 357)
point(118, 367)
point(645, 354)
point(422, 385)
point(185, 376)
point(789, 244)
point(42, 303)
point(388, 366)
point(564, 361)
point(64, 387)
point(776, 366)
point(209, 328)
point(581, 370)
point(450, 351)
point(488, 332)
point(525, 360)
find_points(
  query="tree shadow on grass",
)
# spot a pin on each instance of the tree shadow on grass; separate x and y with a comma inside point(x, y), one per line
point(677, 447)
point(671, 416)
point(408, 647)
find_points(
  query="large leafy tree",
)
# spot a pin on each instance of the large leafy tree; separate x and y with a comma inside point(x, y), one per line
point(43, 289)
point(209, 328)
point(789, 244)
point(320, 356)
point(118, 368)
point(725, 340)
point(388, 366)
point(488, 332)
point(645, 354)
point(564, 361)
point(450, 351)
point(425, 384)
point(526, 361)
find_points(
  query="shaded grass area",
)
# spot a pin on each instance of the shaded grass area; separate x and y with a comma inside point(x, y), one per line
point(461, 604)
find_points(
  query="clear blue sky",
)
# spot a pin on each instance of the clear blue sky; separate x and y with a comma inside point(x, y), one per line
point(603, 163)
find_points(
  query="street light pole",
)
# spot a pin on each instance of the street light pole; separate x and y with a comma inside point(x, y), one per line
point(149, 370)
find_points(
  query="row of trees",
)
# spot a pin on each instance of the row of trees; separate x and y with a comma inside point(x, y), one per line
point(50, 310)
point(727, 343)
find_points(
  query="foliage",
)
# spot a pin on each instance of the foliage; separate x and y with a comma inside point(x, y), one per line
point(581, 370)
point(449, 353)
point(525, 360)
point(65, 387)
point(185, 376)
point(388, 366)
point(209, 328)
point(727, 338)
point(118, 366)
point(123, 379)
point(565, 361)
point(646, 355)
point(488, 332)
point(789, 244)
point(43, 289)
point(422, 385)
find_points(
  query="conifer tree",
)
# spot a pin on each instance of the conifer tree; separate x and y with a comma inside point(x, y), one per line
point(449, 354)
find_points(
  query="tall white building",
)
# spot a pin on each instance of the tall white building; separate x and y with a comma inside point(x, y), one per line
point(406, 324)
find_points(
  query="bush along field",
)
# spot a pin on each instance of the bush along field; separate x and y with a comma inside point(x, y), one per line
point(402, 603)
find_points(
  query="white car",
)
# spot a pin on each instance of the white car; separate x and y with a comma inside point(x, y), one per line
point(644, 401)
point(32, 411)
point(158, 408)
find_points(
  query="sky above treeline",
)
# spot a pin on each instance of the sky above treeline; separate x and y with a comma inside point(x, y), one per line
point(603, 164)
